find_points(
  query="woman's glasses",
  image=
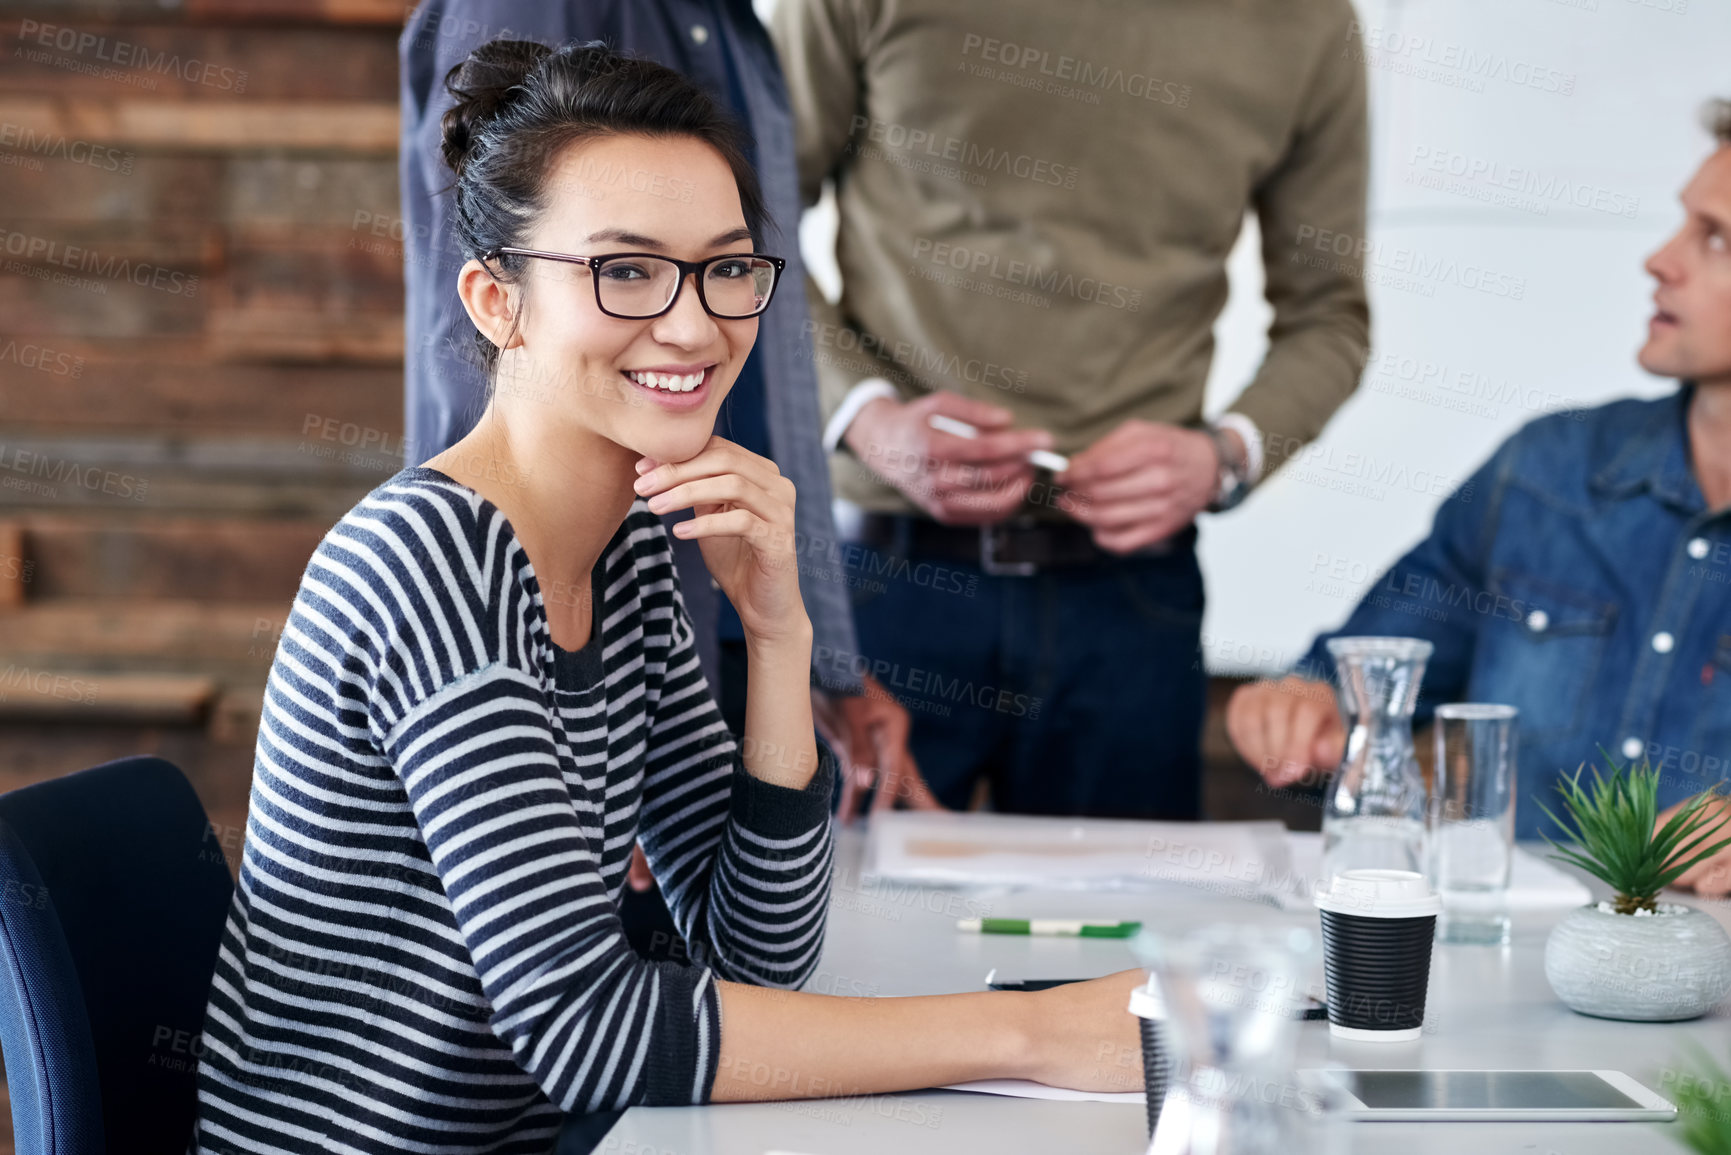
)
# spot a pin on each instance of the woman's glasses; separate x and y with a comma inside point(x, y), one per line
point(637, 286)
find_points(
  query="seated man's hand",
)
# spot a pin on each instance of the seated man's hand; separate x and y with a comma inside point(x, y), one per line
point(957, 480)
point(1288, 730)
point(869, 733)
point(1711, 877)
point(1141, 483)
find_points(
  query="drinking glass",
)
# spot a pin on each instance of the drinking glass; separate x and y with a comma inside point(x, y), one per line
point(1374, 818)
point(1470, 822)
point(1231, 996)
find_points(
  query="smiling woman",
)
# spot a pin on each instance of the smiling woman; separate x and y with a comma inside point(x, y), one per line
point(489, 683)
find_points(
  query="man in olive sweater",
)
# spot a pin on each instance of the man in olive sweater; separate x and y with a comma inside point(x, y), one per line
point(1036, 206)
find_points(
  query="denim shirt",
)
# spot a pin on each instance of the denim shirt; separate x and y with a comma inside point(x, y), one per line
point(1580, 577)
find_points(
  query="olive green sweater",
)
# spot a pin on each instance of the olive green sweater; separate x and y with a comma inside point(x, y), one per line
point(1037, 200)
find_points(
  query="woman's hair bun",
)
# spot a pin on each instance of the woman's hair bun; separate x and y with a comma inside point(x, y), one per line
point(483, 85)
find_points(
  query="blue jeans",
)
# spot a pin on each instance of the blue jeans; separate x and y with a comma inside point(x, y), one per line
point(1074, 691)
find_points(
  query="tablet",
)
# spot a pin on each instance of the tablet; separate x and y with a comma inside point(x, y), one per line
point(1549, 1096)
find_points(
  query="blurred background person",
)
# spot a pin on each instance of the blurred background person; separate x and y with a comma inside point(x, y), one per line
point(1581, 574)
point(773, 409)
point(1036, 205)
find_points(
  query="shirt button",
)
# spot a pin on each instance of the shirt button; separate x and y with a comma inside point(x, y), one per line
point(699, 34)
point(713, 584)
point(1699, 548)
point(1662, 642)
point(1538, 621)
point(1632, 748)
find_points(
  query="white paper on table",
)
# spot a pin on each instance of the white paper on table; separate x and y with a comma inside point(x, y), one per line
point(1242, 859)
point(1534, 884)
point(1028, 1089)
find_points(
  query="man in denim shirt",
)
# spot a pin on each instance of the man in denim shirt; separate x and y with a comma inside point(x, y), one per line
point(1583, 574)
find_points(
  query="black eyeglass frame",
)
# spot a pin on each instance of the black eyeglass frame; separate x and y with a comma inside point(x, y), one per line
point(686, 269)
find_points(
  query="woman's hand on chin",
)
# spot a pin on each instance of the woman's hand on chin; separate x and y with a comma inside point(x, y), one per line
point(744, 526)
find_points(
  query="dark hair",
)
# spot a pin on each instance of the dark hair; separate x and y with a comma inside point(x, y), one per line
point(1717, 116)
point(520, 103)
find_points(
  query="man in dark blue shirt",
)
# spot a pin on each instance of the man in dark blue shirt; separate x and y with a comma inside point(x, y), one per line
point(1583, 574)
point(773, 409)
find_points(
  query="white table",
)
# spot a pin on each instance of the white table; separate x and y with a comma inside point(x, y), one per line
point(1488, 1007)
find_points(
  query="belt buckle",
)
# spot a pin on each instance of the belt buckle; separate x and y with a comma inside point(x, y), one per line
point(989, 541)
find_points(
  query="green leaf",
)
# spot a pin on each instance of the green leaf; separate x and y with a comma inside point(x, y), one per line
point(1611, 824)
point(1703, 1096)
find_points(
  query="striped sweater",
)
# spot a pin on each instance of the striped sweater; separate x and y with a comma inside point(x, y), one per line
point(424, 952)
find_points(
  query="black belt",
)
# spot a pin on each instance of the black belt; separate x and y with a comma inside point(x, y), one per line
point(1014, 548)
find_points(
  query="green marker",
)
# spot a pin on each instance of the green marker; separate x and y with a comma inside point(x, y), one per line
point(1071, 928)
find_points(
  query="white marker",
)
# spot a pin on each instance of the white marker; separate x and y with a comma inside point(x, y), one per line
point(1044, 458)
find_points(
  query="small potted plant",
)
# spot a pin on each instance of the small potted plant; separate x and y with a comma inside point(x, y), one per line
point(1634, 957)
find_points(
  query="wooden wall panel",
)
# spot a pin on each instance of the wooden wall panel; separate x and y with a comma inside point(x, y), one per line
point(360, 14)
point(81, 57)
point(173, 387)
point(144, 123)
point(149, 556)
point(51, 179)
point(37, 303)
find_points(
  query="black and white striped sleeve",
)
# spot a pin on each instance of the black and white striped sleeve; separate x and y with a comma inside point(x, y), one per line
point(746, 870)
point(591, 1022)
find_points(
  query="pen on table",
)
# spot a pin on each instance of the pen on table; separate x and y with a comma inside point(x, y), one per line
point(1314, 1009)
point(1044, 458)
point(993, 983)
point(1066, 927)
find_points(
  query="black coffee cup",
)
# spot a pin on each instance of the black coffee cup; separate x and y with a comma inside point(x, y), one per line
point(1377, 930)
point(1150, 1012)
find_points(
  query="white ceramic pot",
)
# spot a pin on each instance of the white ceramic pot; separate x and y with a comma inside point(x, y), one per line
point(1661, 967)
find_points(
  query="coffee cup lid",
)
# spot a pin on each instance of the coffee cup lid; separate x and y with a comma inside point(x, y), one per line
point(1380, 894)
point(1146, 1003)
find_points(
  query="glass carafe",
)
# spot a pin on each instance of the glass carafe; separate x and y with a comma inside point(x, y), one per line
point(1374, 817)
point(1231, 996)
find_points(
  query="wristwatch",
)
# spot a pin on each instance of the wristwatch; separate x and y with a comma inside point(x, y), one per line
point(1234, 470)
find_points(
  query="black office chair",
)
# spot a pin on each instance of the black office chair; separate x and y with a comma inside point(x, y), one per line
point(112, 903)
